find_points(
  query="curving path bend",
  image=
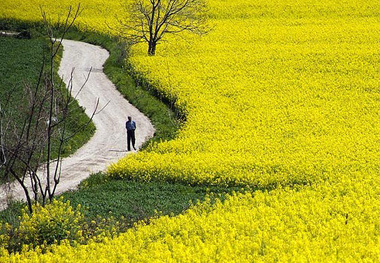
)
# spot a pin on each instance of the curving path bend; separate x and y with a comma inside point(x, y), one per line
point(109, 141)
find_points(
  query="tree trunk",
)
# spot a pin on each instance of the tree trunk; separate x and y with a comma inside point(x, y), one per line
point(152, 48)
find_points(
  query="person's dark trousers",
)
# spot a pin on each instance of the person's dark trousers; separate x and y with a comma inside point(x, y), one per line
point(131, 137)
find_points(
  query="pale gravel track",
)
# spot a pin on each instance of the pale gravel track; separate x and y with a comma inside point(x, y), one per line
point(109, 142)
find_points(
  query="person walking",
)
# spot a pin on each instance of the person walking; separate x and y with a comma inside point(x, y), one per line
point(130, 125)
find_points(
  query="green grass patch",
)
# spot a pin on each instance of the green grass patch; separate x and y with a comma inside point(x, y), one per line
point(20, 63)
point(137, 200)
point(12, 213)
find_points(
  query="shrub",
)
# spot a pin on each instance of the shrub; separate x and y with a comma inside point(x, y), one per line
point(48, 225)
point(54, 223)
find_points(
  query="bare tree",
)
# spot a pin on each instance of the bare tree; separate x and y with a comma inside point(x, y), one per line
point(26, 148)
point(150, 20)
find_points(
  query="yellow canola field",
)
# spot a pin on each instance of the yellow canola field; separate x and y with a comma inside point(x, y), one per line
point(278, 94)
point(280, 226)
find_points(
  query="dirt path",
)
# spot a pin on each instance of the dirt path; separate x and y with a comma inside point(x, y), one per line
point(109, 142)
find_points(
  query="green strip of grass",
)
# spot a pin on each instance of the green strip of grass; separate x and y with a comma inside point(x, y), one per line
point(134, 200)
point(20, 63)
point(128, 200)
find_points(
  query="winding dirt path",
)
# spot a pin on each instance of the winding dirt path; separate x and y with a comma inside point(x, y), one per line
point(109, 142)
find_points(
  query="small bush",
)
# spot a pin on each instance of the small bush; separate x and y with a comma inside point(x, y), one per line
point(47, 225)
point(54, 223)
